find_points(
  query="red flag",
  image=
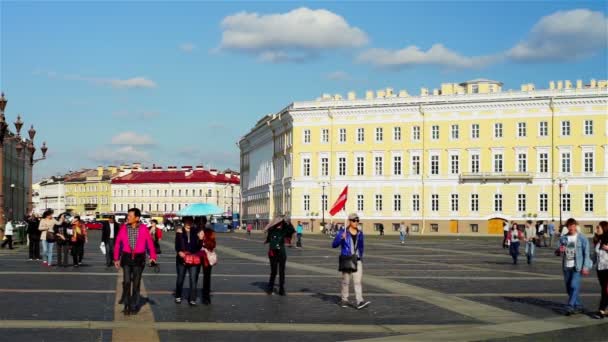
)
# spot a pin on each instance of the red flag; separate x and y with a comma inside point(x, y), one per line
point(340, 202)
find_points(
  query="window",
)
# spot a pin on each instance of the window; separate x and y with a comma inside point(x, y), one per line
point(435, 165)
point(179, 193)
point(415, 228)
point(566, 162)
point(543, 162)
point(474, 228)
point(397, 202)
point(306, 136)
point(497, 202)
point(588, 161)
point(342, 135)
point(360, 166)
point(588, 127)
point(498, 163)
point(378, 164)
point(416, 133)
point(378, 227)
point(454, 163)
point(434, 202)
point(342, 166)
point(565, 128)
point(415, 202)
point(543, 129)
point(475, 131)
point(360, 134)
point(306, 202)
point(521, 203)
point(588, 202)
point(498, 130)
point(324, 166)
point(521, 129)
point(324, 135)
point(210, 192)
point(397, 165)
point(435, 132)
point(379, 134)
point(454, 202)
point(475, 88)
point(360, 203)
point(397, 133)
point(323, 202)
point(522, 165)
point(306, 167)
point(434, 228)
point(474, 202)
point(378, 202)
point(475, 163)
point(566, 202)
point(543, 203)
point(416, 165)
point(455, 132)
point(166, 193)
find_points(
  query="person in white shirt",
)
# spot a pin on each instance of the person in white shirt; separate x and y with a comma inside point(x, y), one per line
point(402, 232)
point(530, 236)
point(8, 234)
point(109, 231)
point(542, 234)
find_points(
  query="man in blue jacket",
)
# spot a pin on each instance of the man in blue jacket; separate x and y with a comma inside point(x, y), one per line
point(351, 243)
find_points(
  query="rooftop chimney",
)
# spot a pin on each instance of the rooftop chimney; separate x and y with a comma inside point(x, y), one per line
point(200, 167)
point(424, 91)
point(552, 85)
point(213, 172)
point(402, 93)
point(579, 84)
point(369, 95)
point(100, 171)
point(352, 95)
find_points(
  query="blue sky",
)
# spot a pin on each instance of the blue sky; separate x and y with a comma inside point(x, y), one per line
point(177, 83)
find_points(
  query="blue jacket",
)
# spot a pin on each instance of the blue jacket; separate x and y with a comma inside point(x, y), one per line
point(582, 258)
point(346, 243)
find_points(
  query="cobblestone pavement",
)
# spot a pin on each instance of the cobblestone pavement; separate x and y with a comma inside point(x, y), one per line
point(430, 289)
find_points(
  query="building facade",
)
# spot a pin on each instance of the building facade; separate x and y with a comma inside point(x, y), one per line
point(459, 159)
point(50, 194)
point(88, 191)
point(161, 191)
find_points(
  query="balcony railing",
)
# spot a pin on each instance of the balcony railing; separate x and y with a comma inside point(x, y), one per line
point(506, 177)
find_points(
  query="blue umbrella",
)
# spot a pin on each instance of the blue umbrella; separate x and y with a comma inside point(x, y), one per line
point(200, 209)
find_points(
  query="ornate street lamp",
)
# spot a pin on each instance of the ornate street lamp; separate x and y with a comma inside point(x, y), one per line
point(18, 124)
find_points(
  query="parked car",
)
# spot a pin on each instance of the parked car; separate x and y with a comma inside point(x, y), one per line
point(94, 225)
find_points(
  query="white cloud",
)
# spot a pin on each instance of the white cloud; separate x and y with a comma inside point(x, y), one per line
point(437, 55)
point(132, 138)
point(563, 36)
point(187, 47)
point(134, 82)
point(338, 76)
point(123, 154)
point(293, 36)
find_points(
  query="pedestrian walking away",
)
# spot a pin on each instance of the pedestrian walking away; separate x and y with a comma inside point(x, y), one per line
point(530, 235)
point(402, 233)
point(351, 242)
point(156, 234)
point(542, 234)
point(574, 250)
point(109, 232)
point(187, 246)
point(505, 231)
point(514, 238)
point(132, 243)
point(276, 232)
point(208, 242)
point(34, 236)
point(299, 232)
point(600, 241)
point(47, 236)
point(63, 241)
point(249, 228)
point(552, 233)
point(79, 237)
point(8, 234)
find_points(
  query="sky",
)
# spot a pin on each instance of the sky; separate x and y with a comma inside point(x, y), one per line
point(178, 83)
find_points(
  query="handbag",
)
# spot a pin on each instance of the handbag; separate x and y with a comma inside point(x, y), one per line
point(348, 263)
point(211, 257)
point(192, 259)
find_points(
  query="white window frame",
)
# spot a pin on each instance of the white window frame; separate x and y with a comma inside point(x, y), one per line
point(397, 203)
point(360, 135)
point(306, 172)
point(379, 135)
point(543, 201)
point(342, 135)
point(360, 202)
point(454, 198)
point(454, 132)
point(306, 202)
point(474, 203)
point(306, 136)
point(543, 131)
point(521, 201)
point(562, 160)
point(522, 130)
point(498, 198)
point(566, 199)
point(415, 155)
point(438, 160)
point(397, 171)
point(588, 127)
point(322, 172)
point(378, 204)
point(397, 133)
point(588, 197)
point(495, 160)
point(378, 168)
point(475, 129)
point(324, 136)
point(519, 154)
point(339, 168)
point(416, 203)
point(434, 203)
point(357, 157)
point(435, 132)
point(415, 133)
point(498, 127)
point(539, 164)
point(565, 128)
point(451, 156)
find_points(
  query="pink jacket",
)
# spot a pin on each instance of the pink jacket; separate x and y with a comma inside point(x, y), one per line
point(144, 241)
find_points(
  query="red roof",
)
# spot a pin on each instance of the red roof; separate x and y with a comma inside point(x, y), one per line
point(175, 176)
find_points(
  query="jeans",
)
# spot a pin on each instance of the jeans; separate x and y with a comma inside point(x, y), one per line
point(572, 279)
point(277, 262)
point(551, 237)
point(47, 248)
point(514, 251)
point(357, 276)
point(530, 248)
point(603, 278)
point(34, 248)
point(193, 271)
point(63, 250)
point(132, 268)
point(299, 240)
point(109, 251)
point(402, 237)
point(207, 283)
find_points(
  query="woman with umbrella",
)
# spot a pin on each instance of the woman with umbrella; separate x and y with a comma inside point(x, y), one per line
point(276, 233)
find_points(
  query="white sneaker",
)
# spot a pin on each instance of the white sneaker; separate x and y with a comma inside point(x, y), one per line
point(362, 305)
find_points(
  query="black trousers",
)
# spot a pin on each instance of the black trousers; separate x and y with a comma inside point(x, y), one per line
point(109, 251)
point(603, 278)
point(504, 239)
point(34, 247)
point(207, 283)
point(77, 252)
point(277, 261)
point(132, 268)
point(9, 241)
point(63, 249)
point(193, 272)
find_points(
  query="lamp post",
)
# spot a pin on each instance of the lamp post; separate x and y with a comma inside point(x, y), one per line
point(323, 203)
point(12, 208)
point(561, 182)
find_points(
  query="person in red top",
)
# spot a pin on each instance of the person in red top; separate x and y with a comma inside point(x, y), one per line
point(207, 238)
point(131, 244)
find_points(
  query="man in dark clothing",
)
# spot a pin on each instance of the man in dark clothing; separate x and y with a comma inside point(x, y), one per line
point(34, 236)
point(109, 231)
point(64, 237)
point(276, 254)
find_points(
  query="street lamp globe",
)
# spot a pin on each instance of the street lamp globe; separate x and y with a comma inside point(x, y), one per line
point(31, 132)
point(18, 124)
point(43, 149)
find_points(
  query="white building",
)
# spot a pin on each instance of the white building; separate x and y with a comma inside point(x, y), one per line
point(50, 195)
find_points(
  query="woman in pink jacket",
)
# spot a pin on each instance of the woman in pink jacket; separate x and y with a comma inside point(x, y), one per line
point(131, 244)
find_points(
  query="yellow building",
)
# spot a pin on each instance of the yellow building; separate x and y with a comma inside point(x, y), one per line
point(88, 191)
point(459, 159)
